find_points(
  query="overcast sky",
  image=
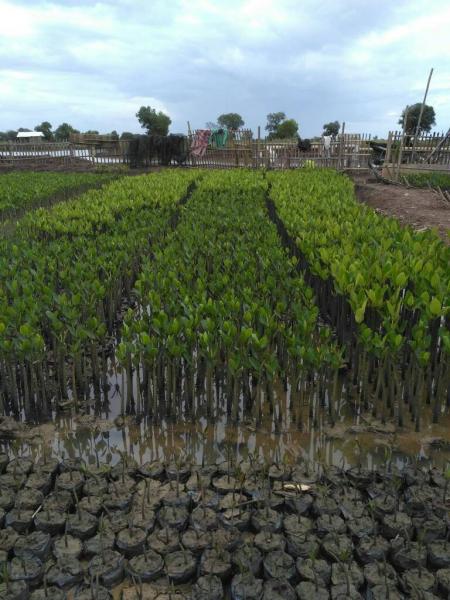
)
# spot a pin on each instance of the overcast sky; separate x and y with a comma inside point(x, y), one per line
point(93, 64)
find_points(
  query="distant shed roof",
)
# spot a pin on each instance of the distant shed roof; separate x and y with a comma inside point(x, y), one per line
point(29, 134)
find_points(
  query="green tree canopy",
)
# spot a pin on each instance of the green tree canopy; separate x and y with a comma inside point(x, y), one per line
point(156, 123)
point(231, 121)
point(46, 129)
point(427, 122)
point(126, 135)
point(287, 129)
point(274, 120)
point(63, 131)
point(114, 135)
point(331, 128)
point(92, 132)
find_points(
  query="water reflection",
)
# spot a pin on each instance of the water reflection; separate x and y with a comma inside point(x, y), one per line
point(99, 440)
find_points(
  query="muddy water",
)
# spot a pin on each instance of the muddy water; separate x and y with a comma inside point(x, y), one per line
point(98, 434)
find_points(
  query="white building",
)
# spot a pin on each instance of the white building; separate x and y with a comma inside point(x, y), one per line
point(28, 136)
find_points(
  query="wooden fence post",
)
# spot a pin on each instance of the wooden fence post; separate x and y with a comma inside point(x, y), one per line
point(416, 132)
point(258, 147)
point(388, 148)
point(341, 146)
point(402, 142)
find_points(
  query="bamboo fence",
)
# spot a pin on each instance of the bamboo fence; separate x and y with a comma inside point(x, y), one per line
point(428, 148)
point(242, 150)
point(406, 153)
point(347, 151)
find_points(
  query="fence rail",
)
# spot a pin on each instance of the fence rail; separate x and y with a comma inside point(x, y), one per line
point(14, 153)
point(61, 153)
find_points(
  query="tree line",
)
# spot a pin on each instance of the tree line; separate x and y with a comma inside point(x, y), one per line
point(278, 126)
point(60, 134)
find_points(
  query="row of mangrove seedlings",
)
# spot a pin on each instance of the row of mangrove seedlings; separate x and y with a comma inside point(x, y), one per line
point(383, 288)
point(258, 282)
point(65, 275)
point(222, 309)
point(22, 190)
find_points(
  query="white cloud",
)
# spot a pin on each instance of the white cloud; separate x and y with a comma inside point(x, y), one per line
point(94, 63)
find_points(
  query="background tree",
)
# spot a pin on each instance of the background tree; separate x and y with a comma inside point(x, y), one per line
point(8, 136)
point(114, 135)
point(23, 129)
point(231, 121)
point(156, 123)
point(287, 129)
point(427, 122)
point(46, 129)
point(63, 131)
point(274, 120)
point(331, 128)
point(92, 132)
point(211, 125)
point(126, 135)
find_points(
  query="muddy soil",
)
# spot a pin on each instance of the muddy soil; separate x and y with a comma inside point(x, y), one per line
point(421, 209)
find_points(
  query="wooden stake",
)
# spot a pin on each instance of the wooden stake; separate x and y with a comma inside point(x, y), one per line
point(400, 150)
point(421, 112)
point(258, 146)
point(341, 146)
point(388, 148)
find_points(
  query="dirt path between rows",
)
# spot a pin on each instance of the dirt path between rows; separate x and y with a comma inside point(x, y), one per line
point(422, 209)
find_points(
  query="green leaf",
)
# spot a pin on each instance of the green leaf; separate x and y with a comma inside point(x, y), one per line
point(359, 314)
point(401, 279)
point(25, 330)
point(435, 307)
